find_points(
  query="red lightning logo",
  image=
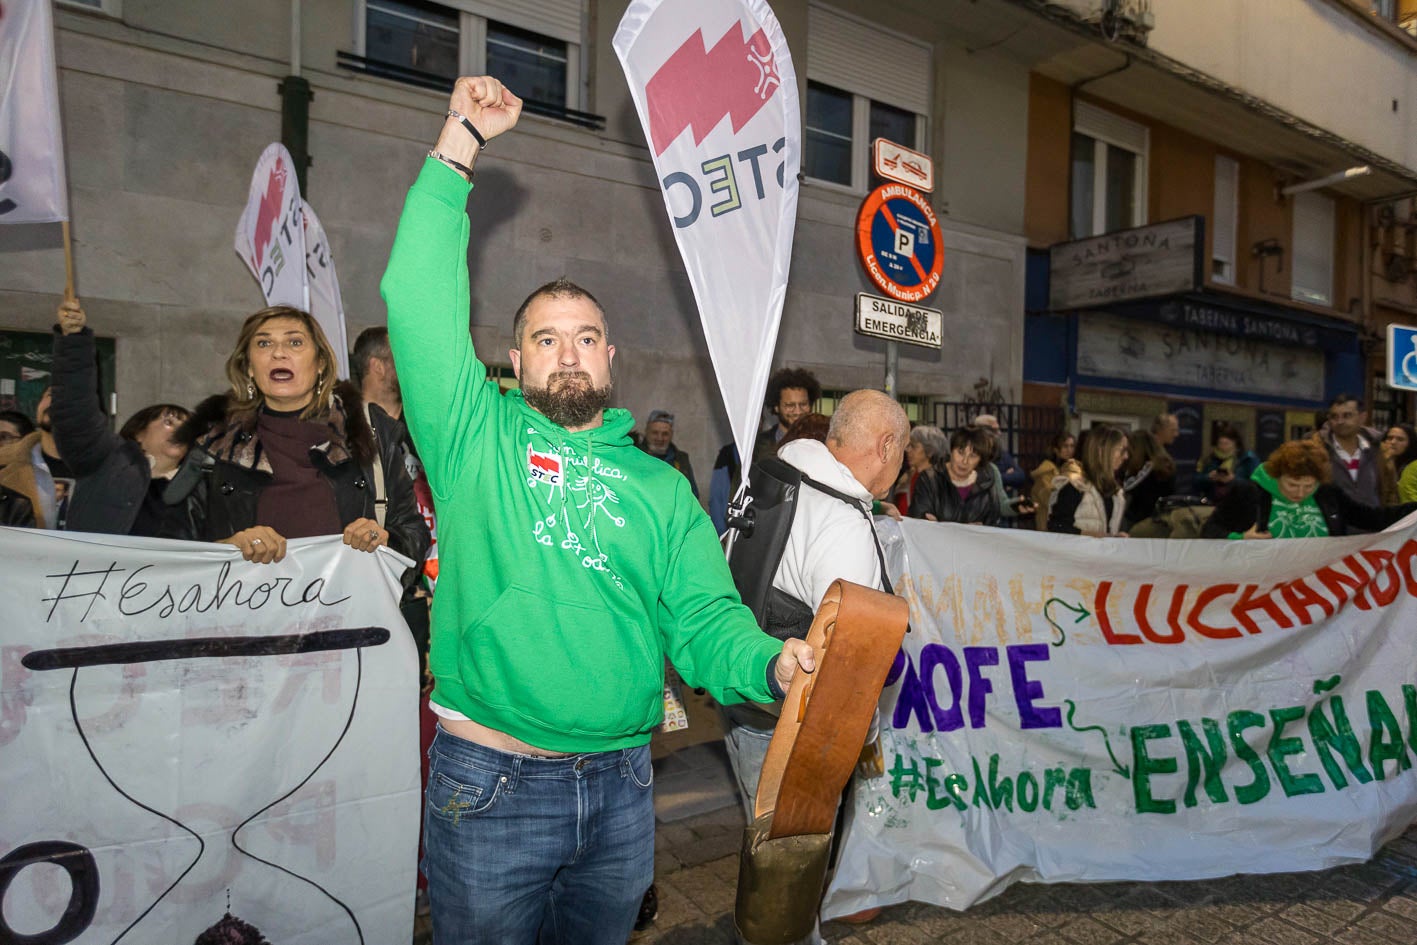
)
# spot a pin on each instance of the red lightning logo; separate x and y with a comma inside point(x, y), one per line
point(696, 87)
point(269, 210)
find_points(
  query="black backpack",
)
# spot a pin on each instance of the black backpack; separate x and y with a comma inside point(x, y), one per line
point(759, 524)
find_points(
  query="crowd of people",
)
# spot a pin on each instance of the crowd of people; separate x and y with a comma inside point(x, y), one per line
point(574, 587)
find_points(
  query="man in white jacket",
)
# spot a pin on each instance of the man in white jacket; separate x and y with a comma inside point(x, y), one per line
point(832, 537)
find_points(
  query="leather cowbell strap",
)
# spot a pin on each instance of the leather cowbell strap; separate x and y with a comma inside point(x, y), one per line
point(826, 714)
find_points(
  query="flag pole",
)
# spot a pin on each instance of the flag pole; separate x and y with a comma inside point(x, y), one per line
point(68, 262)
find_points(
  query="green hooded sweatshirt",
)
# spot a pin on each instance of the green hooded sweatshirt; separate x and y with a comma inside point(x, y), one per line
point(571, 564)
point(1289, 519)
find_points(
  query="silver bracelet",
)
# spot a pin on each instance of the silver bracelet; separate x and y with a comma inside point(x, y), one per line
point(462, 169)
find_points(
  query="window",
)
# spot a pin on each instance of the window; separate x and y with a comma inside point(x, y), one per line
point(1386, 9)
point(111, 7)
point(505, 377)
point(421, 36)
point(536, 65)
point(893, 124)
point(1224, 220)
point(1108, 179)
point(914, 405)
point(828, 146)
point(850, 103)
point(535, 50)
point(1313, 249)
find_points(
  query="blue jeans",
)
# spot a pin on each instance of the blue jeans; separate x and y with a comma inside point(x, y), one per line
point(522, 850)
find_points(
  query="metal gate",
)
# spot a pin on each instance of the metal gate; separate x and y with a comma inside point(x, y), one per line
point(1028, 430)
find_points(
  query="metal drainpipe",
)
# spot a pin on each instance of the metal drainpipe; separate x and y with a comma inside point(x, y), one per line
point(295, 98)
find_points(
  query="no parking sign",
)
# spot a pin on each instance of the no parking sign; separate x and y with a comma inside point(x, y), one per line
point(898, 237)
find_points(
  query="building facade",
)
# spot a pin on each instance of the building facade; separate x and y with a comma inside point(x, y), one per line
point(1219, 213)
point(1048, 123)
point(167, 104)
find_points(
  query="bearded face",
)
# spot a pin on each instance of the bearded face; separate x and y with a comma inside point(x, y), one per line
point(569, 399)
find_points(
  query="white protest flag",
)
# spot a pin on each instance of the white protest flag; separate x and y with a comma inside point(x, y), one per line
point(1073, 709)
point(717, 96)
point(185, 733)
point(270, 237)
point(326, 305)
point(31, 142)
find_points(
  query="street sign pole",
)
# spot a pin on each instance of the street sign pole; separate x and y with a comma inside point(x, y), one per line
point(892, 366)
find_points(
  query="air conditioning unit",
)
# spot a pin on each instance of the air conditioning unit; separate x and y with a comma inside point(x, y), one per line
point(1131, 20)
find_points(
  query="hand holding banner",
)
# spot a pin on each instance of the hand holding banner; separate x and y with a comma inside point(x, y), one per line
point(717, 96)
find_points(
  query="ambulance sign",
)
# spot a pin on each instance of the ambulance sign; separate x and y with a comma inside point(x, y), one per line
point(899, 242)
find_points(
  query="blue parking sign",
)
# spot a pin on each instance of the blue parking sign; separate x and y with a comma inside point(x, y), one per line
point(1402, 357)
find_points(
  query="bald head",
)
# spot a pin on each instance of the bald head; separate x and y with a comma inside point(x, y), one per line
point(867, 435)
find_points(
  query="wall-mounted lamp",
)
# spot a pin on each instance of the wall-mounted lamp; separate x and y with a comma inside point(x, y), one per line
point(1340, 177)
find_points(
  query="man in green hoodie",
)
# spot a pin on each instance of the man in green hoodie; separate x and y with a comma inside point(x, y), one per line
point(572, 565)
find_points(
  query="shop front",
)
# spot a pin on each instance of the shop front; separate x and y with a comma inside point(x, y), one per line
point(1129, 332)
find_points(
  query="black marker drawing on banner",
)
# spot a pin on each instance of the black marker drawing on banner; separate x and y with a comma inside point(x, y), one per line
point(199, 597)
point(83, 903)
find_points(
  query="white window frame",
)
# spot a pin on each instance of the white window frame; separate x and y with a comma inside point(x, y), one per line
point(861, 145)
point(1113, 131)
point(1225, 220)
point(861, 100)
point(1313, 265)
point(113, 8)
point(472, 42)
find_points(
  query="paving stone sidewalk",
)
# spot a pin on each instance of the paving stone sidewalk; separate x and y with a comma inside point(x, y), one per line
point(700, 825)
point(696, 864)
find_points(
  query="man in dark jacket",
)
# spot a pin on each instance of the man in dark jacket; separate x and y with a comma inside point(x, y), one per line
point(659, 441)
point(1355, 452)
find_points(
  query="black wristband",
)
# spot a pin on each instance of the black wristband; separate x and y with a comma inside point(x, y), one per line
point(777, 692)
point(481, 141)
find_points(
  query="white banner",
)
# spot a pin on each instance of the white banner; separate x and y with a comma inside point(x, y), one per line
point(717, 96)
point(184, 734)
point(1080, 709)
point(31, 141)
point(270, 236)
point(326, 305)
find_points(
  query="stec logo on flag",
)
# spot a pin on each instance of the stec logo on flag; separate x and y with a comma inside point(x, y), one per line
point(543, 467)
point(696, 88)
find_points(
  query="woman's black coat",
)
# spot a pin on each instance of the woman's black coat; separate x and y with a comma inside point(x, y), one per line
point(936, 495)
point(222, 478)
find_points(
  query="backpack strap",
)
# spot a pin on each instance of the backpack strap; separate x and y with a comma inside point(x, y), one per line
point(856, 504)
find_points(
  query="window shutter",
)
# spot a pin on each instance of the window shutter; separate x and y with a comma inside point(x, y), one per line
point(846, 53)
point(1105, 126)
point(559, 19)
point(1313, 248)
point(1223, 220)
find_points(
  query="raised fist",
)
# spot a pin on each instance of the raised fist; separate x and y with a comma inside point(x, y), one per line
point(71, 317)
point(485, 102)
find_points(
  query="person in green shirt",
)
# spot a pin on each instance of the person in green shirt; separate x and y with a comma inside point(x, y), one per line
point(572, 565)
point(1290, 496)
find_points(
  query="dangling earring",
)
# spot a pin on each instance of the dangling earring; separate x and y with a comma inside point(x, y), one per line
point(250, 387)
point(319, 383)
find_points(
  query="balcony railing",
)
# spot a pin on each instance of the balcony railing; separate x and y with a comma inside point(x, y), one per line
point(441, 83)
